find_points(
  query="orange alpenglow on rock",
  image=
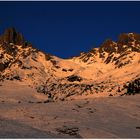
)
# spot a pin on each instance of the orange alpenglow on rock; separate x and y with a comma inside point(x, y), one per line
point(100, 72)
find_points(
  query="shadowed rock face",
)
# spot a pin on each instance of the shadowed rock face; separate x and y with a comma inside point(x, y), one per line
point(133, 87)
point(12, 36)
point(1, 67)
point(131, 40)
point(108, 46)
point(125, 38)
point(73, 78)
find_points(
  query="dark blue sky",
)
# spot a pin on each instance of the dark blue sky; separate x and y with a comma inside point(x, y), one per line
point(67, 28)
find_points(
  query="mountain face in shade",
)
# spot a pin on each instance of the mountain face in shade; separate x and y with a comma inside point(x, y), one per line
point(102, 71)
point(11, 36)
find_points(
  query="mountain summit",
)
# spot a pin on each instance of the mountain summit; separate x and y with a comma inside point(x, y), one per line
point(12, 36)
point(103, 71)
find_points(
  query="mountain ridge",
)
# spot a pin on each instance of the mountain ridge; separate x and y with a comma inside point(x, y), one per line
point(102, 71)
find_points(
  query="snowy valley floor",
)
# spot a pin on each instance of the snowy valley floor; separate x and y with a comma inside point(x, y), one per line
point(24, 114)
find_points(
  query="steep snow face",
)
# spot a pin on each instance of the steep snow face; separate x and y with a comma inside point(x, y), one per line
point(101, 70)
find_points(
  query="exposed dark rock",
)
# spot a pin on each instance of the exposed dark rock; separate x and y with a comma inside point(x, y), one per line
point(39, 102)
point(68, 130)
point(138, 127)
point(127, 39)
point(64, 70)
point(48, 57)
point(12, 36)
point(26, 67)
point(19, 63)
point(124, 39)
point(57, 67)
point(109, 58)
point(16, 77)
point(108, 46)
point(30, 102)
point(41, 89)
point(86, 56)
point(70, 69)
point(133, 87)
point(2, 67)
point(73, 78)
point(47, 101)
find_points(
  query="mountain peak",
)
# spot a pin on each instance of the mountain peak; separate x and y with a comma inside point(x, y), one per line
point(129, 41)
point(108, 46)
point(126, 38)
point(12, 36)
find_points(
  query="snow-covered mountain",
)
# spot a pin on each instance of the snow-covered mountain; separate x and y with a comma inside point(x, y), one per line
point(107, 70)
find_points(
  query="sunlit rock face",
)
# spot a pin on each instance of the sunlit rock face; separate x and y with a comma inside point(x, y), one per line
point(103, 70)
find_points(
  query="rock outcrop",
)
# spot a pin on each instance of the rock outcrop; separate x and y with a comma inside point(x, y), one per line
point(12, 36)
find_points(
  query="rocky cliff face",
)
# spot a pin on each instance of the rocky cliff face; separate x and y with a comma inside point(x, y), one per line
point(102, 71)
point(119, 53)
point(12, 36)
